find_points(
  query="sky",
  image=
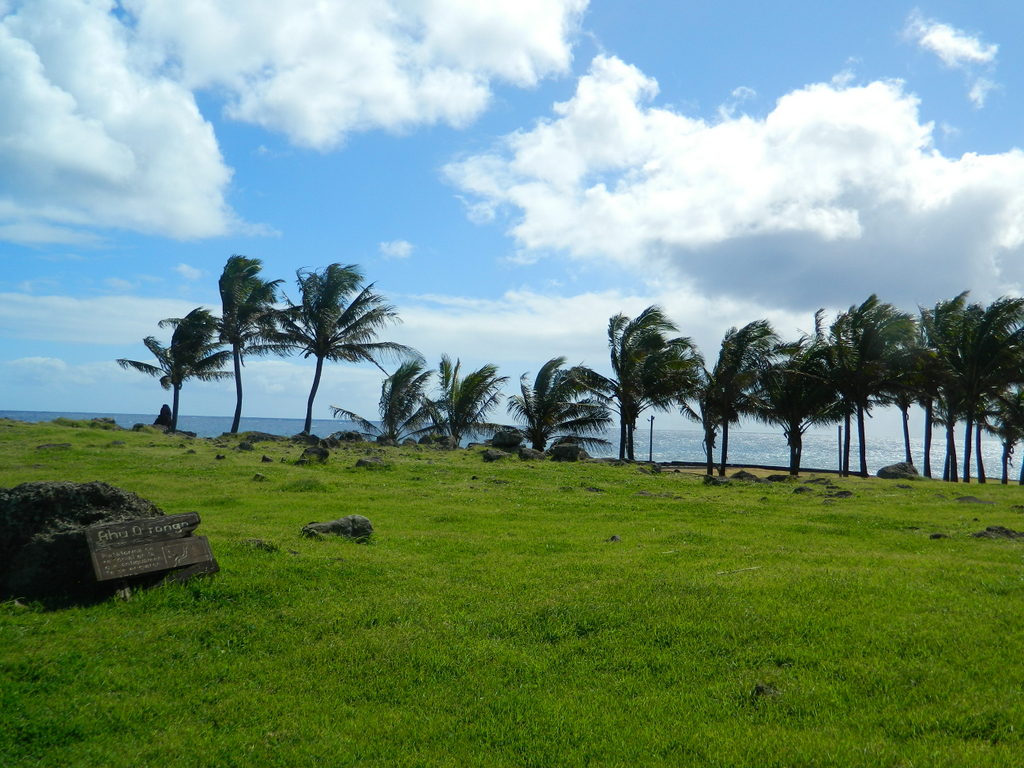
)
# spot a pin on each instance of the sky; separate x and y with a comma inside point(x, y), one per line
point(508, 174)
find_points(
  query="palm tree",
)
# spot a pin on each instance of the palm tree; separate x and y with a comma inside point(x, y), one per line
point(556, 405)
point(939, 328)
point(1009, 427)
point(403, 410)
point(729, 390)
point(866, 344)
point(984, 359)
point(248, 318)
point(649, 370)
point(463, 402)
point(797, 391)
point(192, 354)
point(337, 320)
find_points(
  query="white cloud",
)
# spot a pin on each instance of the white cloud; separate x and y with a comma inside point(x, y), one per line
point(113, 320)
point(94, 137)
point(836, 193)
point(317, 71)
point(954, 47)
point(980, 90)
point(188, 273)
point(396, 249)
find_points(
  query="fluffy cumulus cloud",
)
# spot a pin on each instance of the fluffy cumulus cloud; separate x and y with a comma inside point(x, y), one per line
point(92, 136)
point(396, 249)
point(837, 192)
point(316, 71)
point(101, 128)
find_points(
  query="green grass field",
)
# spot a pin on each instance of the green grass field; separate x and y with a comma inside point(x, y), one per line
point(490, 623)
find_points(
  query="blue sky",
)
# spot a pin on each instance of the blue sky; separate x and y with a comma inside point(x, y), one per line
point(510, 174)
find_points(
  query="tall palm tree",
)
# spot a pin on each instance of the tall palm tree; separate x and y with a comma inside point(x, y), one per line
point(866, 344)
point(1008, 426)
point(939, 328)
point(729, 389)
point(248, 320)
point(556, 405)
point(194, 353)
point(797, 391)
point(403, 408)
point(337, 320)
point(983, 358)
point(649, 370)
point(463, 402)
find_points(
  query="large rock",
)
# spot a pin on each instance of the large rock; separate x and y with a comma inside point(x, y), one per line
point(507, 439)
point(568, 452)
point(900, 471)
point(354, 527)
point(43, 551)
point(440, 441)
point(492, 454)
point(315, 453)
point(531, 454)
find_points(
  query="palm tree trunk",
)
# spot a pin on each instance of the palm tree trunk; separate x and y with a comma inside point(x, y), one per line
point(725, 447)
point(949, 473)
point(622, 435)
point(174, 409)
point(862, 443)
point(977, 453)
point(630, 430)
point(1020, 481)
point(928, 423)
point(846, 445)
point(1005, 462)
point(968, 432)
point(795, 440)
point(236, 356)
point(709, 450)
point(312, 395)
point(908, 456)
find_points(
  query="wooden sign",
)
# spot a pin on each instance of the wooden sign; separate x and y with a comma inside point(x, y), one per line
point(137, 547)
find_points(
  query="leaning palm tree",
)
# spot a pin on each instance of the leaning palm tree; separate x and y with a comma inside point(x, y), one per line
point(556, 405)
point(463, 402)
point(337, 320)
point(248, 319)
point(729, 390)
point(1008, 426)
point(649, 370)
point(403, 408)
point(194, 353)
point(797, 392)
point(866, 344)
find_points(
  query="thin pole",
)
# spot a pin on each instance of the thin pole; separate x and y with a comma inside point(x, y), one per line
point(650, 448)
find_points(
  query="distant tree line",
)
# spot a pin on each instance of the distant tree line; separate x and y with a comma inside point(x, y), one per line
point(962, 362)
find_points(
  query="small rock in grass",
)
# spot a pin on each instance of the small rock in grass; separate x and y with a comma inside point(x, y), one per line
point(245, 445)
point(712, 480)
point(261, 544)
point(191, 450)
point(764, 690)
point(613, 540)
point(594, 489)
point(841, 494)
point(779, 478)
point(316, 453)
point(372, 462)
point(493, 454)
point(938, 536)
point(530, 454)
point(354, 527)
point(266, 459)
point(972, 500)
point(998, 532)
point(259, 478)
point(53, 446)
point(803, 489)
point(220, 456)
point(742, 474)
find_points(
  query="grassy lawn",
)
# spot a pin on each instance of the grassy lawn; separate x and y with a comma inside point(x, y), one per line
point(491, 623)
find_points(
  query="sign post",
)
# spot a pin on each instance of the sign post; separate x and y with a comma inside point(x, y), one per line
point(150, 545)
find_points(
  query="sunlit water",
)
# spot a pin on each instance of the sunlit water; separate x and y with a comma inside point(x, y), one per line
point(745, 447)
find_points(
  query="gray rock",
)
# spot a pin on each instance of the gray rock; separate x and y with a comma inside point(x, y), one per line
point(245, 445)
point(713, 480)
point(259, 477)
point(348, 436)
point(445, 442)
point(305, 439)
point(43, 551)
point(938, 536)
point(258, 437)
point(531, 454)
point(568, 452)
point(315, 453)
point(53, 447)
point(613, 540)
point(387, 442)
point(998, 532)
point(749, 477)
point(900, 471)
point(507, 439)
point(266, 459)
point(780, 478)
point(492, 454)
point(973, 500)
point(371, 462)
point(354, 527)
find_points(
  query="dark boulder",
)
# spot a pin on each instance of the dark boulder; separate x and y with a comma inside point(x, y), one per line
point(445, 442)
point(749, 477)
point(900, 471)
point(43, 551)
point(531, 454)
point(387, 442)
point(507, 439)
point(568, 452)
point(303, 439)
point(315, 453)
point(998, 532)
point(713, 480)
point(492, 454)
point(245, 445)
point(165, 416)
point(348, 436)
point(354, 527)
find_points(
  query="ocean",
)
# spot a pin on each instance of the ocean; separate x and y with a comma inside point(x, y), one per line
point(756, 448)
